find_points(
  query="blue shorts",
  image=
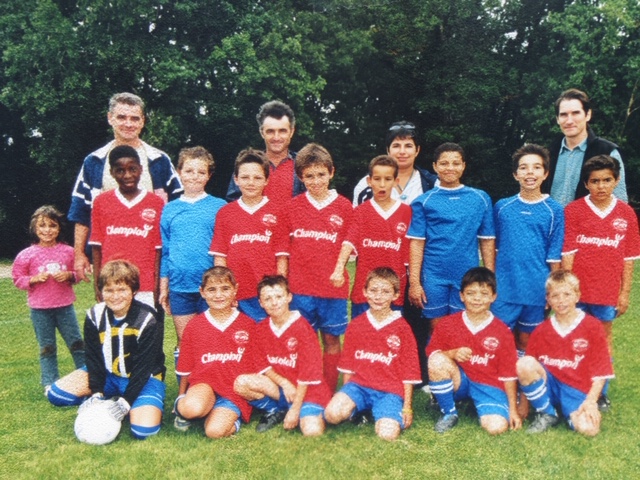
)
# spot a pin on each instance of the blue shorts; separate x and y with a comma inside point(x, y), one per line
point(222, 402)
point(565, 398)
point(329, 315)
point(604, 313)
point(251, 308)
point(381, 404)
point(185, 303)
point(359, 308)
point(152, 393)
point(524, 318)
point(443, 299)
point(488, 400)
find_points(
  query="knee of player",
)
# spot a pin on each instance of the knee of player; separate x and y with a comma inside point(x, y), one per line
point(526, 367)
point(312, 426)
point(494, 424)
point(336, 412)
point(48, 351)
point(190, 407)
point(77, 346)
point(242, 384)
point(387, 429)
point(215, 431)
point(438, 366)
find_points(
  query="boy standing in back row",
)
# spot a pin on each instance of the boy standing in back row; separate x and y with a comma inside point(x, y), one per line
point(315, 225)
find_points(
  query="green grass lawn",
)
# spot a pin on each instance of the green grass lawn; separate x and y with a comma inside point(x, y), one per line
point(37, 439)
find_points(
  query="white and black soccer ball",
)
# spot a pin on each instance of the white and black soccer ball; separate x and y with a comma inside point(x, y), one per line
point(95, 425)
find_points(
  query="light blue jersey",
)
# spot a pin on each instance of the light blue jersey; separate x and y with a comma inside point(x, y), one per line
point(450, 221)
point(187, 230)
point(529, 236)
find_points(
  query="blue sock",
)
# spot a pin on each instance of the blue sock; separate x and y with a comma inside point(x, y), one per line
point(605, 389)
point(60, 398)
point(538, 397)
point(176, 355)
point(141, 433)
point(443, 391)
point(267, 404)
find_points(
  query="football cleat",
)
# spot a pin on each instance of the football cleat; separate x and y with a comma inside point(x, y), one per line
point(446, 422)
point(542, 422)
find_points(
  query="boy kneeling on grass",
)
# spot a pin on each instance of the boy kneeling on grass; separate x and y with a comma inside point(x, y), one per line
point(379, 361)
point(472, 354)
point(125, 361)
point(290, 386)
point(567, 362)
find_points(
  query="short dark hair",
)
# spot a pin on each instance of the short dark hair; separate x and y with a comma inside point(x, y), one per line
point(220, 273)
point(573, 94)
point(273, 281)
point(384, 273)
point(384, 161)
point(122, 151)
point(481, 275)
point(275, 109)
point(600, 162)
point(46, 211)
point(198, 152)
point(448, 147)
point(530, 149)
point(250, 155)
point(401, 129)
point(119, 271)
point(313, 154)
point(126, 98)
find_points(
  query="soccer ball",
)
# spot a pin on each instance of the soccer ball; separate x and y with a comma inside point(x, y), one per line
point(95, 425)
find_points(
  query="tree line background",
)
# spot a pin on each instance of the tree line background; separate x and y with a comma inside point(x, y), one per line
point(483, 73)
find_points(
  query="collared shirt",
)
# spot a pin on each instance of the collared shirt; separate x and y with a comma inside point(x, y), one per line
point(568, 172)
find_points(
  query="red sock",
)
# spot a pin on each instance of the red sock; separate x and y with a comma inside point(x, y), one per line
point(330, 366)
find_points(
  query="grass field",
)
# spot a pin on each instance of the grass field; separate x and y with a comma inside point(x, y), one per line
point(37, 440)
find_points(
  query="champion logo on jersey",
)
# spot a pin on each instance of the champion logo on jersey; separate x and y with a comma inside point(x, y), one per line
point(580, 345)
point(270, 220)
point(401, 228)
point(336, 221)
point(393, 342)
point(491, 343)
point(149, 215)
point(241, 337)
point(292, 344)
point(620, 224)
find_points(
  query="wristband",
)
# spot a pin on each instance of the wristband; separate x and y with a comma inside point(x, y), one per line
point(407, 411)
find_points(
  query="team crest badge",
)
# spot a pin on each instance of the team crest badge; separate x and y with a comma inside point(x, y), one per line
point(292, 344)
point(270, 220)
point(491, 343)
point(149, 215)
point(336, 221)
point(401, 228)
point(393, 342)
point(241, 337)
point(580, 345)
point(620, 224)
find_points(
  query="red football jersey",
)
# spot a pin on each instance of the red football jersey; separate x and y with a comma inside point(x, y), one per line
point(315, 232)
point(575, 355)
point(601, 241)
point(494, 355)
point(380, 355)
point(128, 230)
point(216, 354)
point(245, 236)
point(294, 352)
point(378, 239)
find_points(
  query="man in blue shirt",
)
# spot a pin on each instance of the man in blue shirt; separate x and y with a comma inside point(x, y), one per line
point(568, 154)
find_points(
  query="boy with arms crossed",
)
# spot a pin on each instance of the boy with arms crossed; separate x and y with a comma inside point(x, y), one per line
point(376, 235)
point(601, 243)
point(472, 355)
point(379, 362)
point(290, 385)
point(214, 351)
point(125, 224)
point(244, 236)
point(567, 362)
point(314, 226)
point(123, 344)
point(529, 236)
